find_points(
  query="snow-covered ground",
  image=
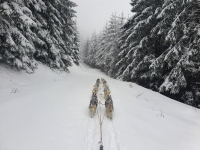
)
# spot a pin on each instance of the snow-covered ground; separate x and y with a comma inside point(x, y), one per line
point(48, 110)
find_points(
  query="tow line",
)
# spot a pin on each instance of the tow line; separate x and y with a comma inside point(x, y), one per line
point(100, 122)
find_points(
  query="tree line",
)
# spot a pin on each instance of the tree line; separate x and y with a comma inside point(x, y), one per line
point(158, 48)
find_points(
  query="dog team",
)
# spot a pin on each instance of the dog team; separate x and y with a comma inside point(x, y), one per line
point(108, 99)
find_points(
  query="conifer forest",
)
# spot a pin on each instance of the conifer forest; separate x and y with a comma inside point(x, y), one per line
point(157, 46)
point(34, 31)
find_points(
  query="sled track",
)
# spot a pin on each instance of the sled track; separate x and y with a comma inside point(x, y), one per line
point(92, 135)
point(92, 131)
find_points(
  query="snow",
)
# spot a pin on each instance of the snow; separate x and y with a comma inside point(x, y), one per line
point(18, 63)
point(28, 21)
point(147, 10)
point(23, 41)
point(10, 41)
point(139, 24)
point(25, 19)
point(7, 8)
point(48, 110)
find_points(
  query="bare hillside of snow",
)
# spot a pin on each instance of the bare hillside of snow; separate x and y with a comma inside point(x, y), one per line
point(48, 110)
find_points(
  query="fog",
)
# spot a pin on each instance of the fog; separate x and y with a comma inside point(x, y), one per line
point(93, 14)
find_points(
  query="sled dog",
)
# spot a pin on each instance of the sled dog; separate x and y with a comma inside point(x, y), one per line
point(109, 107)
point(93, 105)
point(95, 89)
point(106, 91)
point(102, 79)
point(104, 83)
point(97, 83)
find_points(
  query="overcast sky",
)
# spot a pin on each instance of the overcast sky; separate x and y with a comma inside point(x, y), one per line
point(93, 14)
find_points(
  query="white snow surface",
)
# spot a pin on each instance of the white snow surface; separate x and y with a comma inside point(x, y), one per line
point(48, 110)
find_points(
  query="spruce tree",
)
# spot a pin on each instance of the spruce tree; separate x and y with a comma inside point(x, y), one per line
point(86, 51)
point(137, 48)
point(182, 54)
point(75, 47)
point(92, 50)
point(36, 30)
point(103, 47)
point(158, 47)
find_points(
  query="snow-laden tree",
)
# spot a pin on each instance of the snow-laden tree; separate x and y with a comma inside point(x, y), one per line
point(85, 52)
point(114, 30)
point(179, 63)
point(158, 47)
point(75, 47)
point(15, 49)
point(136, 45)
point(103, 51)
point(39, 30)
point(92, 50)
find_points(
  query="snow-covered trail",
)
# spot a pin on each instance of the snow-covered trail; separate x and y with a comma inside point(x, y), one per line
point(49, 111)
point(109, 132)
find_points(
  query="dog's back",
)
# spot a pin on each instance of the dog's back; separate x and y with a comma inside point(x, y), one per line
point(95, 89)
point(108, 101)
point(98, 81)
point(102, 79)
point(97, 84)
point(93, 101)
point(93, 105)
point(106, 91)
point(104, 82)
point(109, 106)
point(106, 87)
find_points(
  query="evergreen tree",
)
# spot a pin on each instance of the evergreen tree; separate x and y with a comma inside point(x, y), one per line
point(179, 63)
point(137, 50)
point(39, 30)
point(115, 47)
point(86, 51)
point(158, 47)
point(100, 54)
point(103, 47)
point(75, 48)
point(92, 50)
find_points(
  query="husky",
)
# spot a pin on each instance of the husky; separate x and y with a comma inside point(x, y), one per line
point(102, 79)
point(97, 83)
point(104, 83)
point(95, 89)
point(106, 91)
point(93, 105)
point(109, 107)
